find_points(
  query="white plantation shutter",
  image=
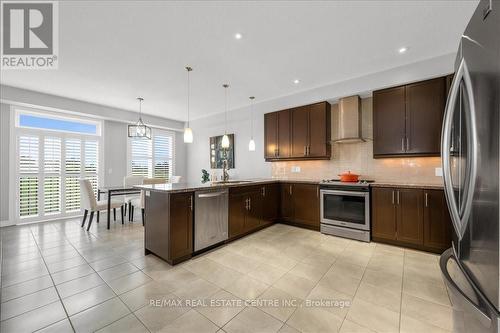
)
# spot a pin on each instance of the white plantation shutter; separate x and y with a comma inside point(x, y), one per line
point(28, 175)
point(49, 167)
point(163, 156)
point(52, 180)
point(28, 154)
point(91, 160)
point(73, 167)
point(153, 158)
point(141, 157)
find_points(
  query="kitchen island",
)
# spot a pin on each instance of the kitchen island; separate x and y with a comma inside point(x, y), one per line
point(171, 211)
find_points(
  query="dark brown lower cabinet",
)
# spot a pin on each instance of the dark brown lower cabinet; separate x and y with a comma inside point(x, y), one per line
point(286, 209)
point(411, 217)
point(300, 204)
point(383, 213)
point(306, 204)
point(410, 210)
point(271, 202)
point(169, 225)
point(437, 221)
point(246, 210)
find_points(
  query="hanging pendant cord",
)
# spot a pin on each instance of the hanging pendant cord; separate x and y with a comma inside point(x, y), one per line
point(188, 69)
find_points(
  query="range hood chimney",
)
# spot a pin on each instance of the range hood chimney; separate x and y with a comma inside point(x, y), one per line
point(349, 120)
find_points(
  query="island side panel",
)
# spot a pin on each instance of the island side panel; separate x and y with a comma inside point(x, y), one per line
point(181, 226)
point(156, 228)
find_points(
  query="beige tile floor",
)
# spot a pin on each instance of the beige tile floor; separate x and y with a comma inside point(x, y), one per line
point(56, 277)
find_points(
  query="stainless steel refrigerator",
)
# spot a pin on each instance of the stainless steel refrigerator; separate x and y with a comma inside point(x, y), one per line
point(470, 154)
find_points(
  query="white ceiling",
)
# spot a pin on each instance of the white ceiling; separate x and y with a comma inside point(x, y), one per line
point(114, 51)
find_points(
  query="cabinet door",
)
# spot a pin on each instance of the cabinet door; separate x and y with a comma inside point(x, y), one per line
point(384, 213)
point(300, 131)
point(425, 102)
point(286, 201)
point(389, 121)
point(437, 221)
point(271, 135)
point(181, 225)
point(283, 133)
point(254, 214)
point(410, 226)
point(306, 204)
point(319, 130)
point(237, 213)
point(271, 198)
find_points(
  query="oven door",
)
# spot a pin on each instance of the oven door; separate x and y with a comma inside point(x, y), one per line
point(345, 208)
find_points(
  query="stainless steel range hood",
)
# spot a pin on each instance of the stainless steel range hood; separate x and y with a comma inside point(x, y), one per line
point(349, 120)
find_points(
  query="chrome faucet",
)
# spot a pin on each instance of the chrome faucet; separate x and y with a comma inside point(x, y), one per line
point(225, 168)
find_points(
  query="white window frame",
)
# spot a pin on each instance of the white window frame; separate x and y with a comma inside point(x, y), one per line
point(63, 135)
point(154, 131)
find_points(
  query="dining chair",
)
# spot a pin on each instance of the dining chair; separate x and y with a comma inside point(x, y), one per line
point(127, 182)
point(90, 204)
point(139, 202)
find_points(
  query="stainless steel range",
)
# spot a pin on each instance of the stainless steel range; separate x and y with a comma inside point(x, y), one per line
point(345, 209)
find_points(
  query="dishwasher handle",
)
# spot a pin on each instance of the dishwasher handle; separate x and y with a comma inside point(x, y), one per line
point(211, 195)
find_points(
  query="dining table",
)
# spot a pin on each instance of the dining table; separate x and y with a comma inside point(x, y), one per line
point(111, 191)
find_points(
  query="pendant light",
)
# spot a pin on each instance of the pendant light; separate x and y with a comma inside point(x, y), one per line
point(188, 132)
point(139, 130)
point(225, 138)
point(251, 143)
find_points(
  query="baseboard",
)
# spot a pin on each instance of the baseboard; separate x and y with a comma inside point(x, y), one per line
point(6, 223)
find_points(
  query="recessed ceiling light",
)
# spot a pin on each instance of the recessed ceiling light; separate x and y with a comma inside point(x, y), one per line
point(296, 81)
point(403, 50)
point(238, 36)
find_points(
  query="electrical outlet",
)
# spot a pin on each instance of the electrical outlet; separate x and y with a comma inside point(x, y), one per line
point(295, 169)
point(438, 172)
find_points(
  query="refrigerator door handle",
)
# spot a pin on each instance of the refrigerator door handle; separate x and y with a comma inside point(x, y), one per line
point(467, 302)
point(459, 218)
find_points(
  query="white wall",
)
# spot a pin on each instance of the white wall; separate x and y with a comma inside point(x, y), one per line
point(252, 164)
point(4, 163)
point(115, 135)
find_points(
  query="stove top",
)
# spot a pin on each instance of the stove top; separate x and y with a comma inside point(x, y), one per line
point(362, 182)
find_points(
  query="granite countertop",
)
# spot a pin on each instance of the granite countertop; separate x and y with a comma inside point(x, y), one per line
point(407, 185)
point(198, 186)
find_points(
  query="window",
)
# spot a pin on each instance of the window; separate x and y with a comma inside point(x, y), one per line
point(152, 158)
point(51, 162)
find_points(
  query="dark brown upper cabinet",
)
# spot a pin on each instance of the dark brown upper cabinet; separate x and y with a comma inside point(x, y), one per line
point(298, 133)
point(277, 134)
point(407, 120)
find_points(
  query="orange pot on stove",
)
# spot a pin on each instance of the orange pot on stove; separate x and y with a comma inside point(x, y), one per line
point(349, 177)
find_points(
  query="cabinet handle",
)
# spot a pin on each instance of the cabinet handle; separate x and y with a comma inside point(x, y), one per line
point(317, 192)
point(407, 143)
point(393, 197)
point(263, 191)
point(398, 197)
point(308, 150)
point(403, 144)
point(249, 203)
point(246, 203)
point(426, 199)
point(191, 203)
point(290, 190)
point(305, 150)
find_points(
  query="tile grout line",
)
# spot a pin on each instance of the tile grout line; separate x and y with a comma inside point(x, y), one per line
point(106, 283)
point(53, 283)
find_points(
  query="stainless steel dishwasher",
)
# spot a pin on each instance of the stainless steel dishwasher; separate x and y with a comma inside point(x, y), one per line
point(210, 218)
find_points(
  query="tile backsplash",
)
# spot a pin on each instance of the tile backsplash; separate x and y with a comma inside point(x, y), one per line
point(358, 158)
